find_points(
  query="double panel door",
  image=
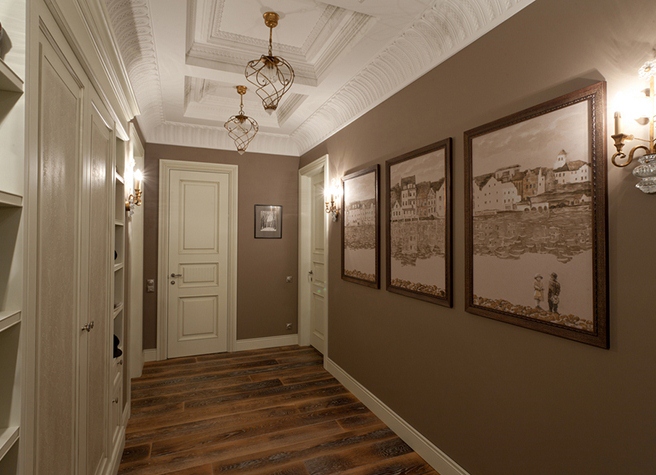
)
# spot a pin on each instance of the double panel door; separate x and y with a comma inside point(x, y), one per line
point(70, 179)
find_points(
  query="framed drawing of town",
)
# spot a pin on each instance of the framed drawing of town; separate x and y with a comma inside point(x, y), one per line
point(360, 228)
point(419, 223)
point(536, 232)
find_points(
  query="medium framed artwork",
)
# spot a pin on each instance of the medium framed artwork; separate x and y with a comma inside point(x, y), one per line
point(419, 224)
point(536, 230)
point(360, 228)
point(268, 222)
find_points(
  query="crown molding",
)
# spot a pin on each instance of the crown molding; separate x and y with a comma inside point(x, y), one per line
point(445, 28)
point(176, 133)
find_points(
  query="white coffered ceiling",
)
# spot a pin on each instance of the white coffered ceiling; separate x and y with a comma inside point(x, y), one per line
point(184, 59)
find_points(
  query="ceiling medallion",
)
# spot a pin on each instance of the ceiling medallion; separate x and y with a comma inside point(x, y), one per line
point(271, 75)
point(240, 127)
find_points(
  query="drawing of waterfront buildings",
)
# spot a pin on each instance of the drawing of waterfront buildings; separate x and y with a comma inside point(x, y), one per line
point(361, 213)
point(510, 188)
point(411, 201)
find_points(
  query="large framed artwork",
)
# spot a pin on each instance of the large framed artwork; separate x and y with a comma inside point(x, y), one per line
point(360, 228)
point(419, 224)
point(536, 231)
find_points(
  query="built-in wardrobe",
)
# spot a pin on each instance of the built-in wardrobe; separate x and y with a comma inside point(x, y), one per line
point(75, 348)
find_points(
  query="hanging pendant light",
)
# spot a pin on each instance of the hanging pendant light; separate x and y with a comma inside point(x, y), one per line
point(240, 127)
point(271, 75)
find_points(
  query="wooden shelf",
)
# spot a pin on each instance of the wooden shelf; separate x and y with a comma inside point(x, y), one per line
point(9, 318)
point(9, 80)
point(8, 438)
point(9, 200)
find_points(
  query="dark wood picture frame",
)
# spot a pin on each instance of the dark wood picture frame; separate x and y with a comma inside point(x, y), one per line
point(264, 231)
point(361, 221)
point(554, 223)
point(426, 210)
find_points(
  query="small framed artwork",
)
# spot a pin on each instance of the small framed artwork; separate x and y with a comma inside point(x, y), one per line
point(360, 228)
point(419, 224)
point(536, 230)
point(268, 222)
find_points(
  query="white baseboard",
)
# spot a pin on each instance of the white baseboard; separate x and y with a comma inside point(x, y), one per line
point(150, 355)
point(266, 342)
point(420, 444)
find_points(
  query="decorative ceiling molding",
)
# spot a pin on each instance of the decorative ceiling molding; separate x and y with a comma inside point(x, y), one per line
point(177, 133)
point(443, 30)
point(133, 31)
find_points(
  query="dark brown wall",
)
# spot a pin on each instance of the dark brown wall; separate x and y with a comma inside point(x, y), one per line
point(497, 398)
point(265, 302)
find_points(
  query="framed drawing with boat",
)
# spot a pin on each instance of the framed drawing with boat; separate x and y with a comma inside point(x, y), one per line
point(419, 224)
point(536, 232)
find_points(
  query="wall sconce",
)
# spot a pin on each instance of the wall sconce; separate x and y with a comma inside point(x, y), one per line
point(646, 171)
point(334, 198)
point(135, 199)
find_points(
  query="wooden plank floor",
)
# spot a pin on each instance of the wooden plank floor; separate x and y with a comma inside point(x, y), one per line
point(272, 411)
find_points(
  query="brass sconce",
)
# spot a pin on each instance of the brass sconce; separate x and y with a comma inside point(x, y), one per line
point(646, 171)
point(334, 198)
point(135, 198)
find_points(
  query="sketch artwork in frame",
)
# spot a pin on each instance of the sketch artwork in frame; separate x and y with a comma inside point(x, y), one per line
point(268, 222)
point(536, 230)
point(419, 224)
point(360, 228)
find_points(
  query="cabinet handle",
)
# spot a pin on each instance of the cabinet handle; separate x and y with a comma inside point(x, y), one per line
point(88, 326)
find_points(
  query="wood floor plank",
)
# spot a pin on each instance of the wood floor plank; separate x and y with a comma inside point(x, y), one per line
point(267, 411)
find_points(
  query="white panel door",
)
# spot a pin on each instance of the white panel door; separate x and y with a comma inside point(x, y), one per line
point(318, 267)
point(198, 263)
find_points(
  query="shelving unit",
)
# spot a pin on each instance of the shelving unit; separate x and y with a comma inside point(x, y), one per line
point(117, 374)
point(12, 111)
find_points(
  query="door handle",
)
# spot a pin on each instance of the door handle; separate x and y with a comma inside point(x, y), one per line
point(88, 326)
point(310, 276)
point(174, 275)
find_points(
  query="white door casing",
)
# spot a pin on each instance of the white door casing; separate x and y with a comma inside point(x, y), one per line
point(318, 267)
point(197, 245)
point(311, 212)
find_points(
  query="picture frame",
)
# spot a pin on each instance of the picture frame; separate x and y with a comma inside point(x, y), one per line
point(536, 218)
point(361, 227)
point(268, 222)
point(418, 220)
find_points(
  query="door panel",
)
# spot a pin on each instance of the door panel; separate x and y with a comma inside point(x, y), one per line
point(98, 337)
point(57, 335)
point(318, 287)
point(198, 263)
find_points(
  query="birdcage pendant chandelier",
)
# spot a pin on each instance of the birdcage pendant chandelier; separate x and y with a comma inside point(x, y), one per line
point(241, 128)
point(271, 75)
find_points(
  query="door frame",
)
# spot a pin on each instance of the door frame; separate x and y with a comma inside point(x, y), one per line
point(305, 174)
point(165, 168)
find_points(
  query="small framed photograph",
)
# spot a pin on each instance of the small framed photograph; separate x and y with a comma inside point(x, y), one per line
point(536, 229)
point(360, 228)
point(268, 222)
point(419, 224)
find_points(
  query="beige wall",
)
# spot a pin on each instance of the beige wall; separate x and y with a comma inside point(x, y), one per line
point(265, 303)
point(497, 398)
